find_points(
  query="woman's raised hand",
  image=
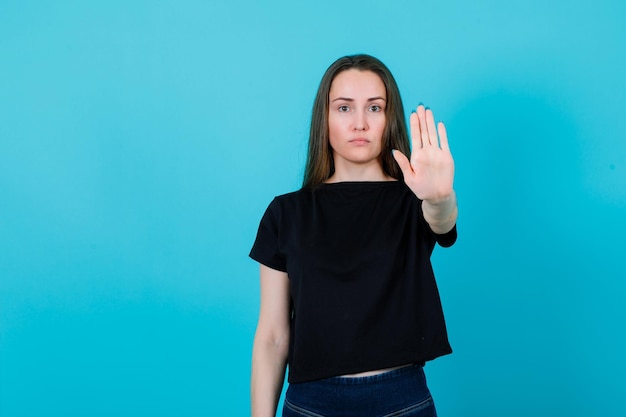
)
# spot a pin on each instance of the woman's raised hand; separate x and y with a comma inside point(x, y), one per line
point(430, 172)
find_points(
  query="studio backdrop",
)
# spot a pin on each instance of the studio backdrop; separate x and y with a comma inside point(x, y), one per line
point(140, 143)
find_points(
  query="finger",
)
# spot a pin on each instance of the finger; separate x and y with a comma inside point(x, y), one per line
point(416, 136)
point(443, 137)
point(432, 130)
point(403, 163)
point(421, 116)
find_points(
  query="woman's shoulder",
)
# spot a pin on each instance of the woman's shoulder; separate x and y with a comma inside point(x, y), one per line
point(292, 195)
point(290, 199)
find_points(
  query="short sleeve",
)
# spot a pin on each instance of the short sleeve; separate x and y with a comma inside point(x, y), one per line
point(447, 239)
point(266, 246)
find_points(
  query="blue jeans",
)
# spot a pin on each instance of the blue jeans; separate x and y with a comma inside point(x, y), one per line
point(398, 393)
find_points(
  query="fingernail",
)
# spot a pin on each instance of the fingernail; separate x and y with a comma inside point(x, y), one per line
point(420, 104)
point(413, 111)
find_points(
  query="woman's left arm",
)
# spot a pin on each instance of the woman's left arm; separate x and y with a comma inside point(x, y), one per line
point(430, 172)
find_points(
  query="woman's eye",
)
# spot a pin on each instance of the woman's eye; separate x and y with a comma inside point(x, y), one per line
point(344, 108)
point(375, 108)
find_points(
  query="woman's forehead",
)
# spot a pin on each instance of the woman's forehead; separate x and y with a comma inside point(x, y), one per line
point(356, 84)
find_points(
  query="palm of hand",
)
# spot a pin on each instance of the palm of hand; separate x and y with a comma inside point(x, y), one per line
point(430, 172)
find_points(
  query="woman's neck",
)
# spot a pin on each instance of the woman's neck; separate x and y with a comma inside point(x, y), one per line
point(356, 172)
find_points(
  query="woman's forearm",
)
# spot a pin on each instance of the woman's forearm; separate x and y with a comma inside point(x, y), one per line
point(269, 361)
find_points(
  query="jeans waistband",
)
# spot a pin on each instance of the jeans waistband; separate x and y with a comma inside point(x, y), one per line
point(356, 380)
point(382, 394)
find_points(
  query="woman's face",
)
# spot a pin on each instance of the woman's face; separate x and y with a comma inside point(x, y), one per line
point(356, 117)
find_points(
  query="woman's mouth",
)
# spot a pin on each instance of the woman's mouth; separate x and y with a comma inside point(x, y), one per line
point(359, 141)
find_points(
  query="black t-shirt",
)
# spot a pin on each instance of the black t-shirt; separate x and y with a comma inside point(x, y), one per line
point(362, 287)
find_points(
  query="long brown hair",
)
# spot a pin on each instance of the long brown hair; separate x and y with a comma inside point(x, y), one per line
point(320, 164)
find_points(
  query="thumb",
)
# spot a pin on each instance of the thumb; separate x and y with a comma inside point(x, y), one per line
point(403, 162)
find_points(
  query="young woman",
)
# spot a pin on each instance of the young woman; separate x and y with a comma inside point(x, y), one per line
point(348, 296)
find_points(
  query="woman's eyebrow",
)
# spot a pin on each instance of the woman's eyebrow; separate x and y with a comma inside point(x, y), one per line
point(351, 99)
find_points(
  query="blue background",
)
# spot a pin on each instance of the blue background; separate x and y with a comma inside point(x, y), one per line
point(140, 143)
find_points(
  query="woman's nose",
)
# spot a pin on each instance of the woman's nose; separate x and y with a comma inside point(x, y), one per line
point(360, 122)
